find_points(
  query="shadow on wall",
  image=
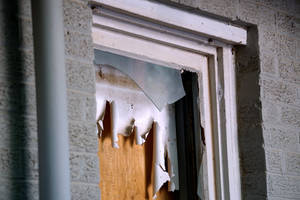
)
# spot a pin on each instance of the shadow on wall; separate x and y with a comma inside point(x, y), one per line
point(252, 153)
point(251, 141)
point(15, 106)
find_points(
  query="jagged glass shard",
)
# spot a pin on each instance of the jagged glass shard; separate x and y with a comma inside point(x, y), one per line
point(162, 85)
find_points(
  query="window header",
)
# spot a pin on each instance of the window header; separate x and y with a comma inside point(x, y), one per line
point(173, 17)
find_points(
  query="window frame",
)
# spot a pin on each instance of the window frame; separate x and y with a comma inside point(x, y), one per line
point(205, 48)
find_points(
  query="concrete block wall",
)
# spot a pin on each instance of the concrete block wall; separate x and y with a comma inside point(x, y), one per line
point(269, 112)
point(18, 123)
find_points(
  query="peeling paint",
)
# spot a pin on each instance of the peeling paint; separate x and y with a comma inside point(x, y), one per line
point(132, 112)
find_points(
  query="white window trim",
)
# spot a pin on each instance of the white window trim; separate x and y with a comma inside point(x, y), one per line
point(193, 42)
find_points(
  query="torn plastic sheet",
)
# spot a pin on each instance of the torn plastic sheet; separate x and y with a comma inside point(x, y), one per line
point(200, 189)
point(131, 111)
point(162, 85)
point(160, 174)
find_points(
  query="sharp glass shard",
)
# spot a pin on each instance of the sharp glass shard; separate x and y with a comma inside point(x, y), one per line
point(162, 85)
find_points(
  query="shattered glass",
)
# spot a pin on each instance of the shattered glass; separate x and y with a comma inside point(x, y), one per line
point(162, 85)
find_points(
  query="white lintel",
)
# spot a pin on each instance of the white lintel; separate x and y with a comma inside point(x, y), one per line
point(175, 17)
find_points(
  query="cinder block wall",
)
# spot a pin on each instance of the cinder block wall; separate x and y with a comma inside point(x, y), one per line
point(18, 123)
point(268, 75)
point(268, 97)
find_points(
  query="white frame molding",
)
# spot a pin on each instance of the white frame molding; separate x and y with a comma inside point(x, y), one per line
point(184, 40)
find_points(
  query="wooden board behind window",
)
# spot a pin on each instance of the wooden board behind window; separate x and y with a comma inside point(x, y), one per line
point(125, 173)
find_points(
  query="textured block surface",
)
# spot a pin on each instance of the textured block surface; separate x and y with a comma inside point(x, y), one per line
point(18, 123)
point(268, 93)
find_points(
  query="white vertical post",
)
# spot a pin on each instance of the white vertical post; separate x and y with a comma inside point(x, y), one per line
point(209, 139)
point(48, 31)
point(231, 123)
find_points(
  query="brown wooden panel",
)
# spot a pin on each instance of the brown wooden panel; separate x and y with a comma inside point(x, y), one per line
point(125, 173)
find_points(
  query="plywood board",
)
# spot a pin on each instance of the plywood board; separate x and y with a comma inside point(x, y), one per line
point(125, 173)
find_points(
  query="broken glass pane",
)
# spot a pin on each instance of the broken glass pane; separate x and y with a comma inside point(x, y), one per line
point(162, 85)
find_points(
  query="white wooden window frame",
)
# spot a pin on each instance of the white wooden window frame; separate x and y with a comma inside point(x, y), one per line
point(144, 29)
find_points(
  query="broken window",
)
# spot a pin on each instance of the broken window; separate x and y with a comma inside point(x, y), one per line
point(159, 33)
point(143, 103)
